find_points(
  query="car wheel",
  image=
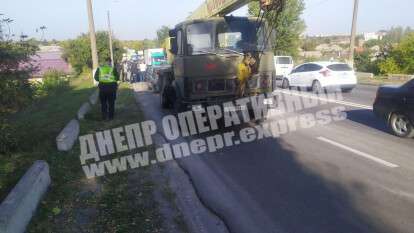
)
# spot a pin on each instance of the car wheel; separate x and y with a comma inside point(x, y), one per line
point(316, 87)
point(401, 125)
point(285, 84)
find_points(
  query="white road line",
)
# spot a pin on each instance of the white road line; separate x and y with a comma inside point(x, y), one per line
point(360, 153)
point(312, 96)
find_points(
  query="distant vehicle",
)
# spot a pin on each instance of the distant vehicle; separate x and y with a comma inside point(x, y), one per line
point(395, 104)
point(283, 66)
point(152, 76)
point(155, 57)
point(321, 76)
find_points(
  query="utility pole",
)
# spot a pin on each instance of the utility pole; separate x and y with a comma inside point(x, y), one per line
point(353, 33)
point(92, 36)
point(110, 40)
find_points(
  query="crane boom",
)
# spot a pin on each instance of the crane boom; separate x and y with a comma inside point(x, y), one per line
point(211, 8)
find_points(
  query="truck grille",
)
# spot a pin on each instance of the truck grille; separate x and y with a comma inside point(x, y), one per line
point(216, 85)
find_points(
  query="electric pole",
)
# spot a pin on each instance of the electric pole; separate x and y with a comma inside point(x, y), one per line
point(94, 50)
point(353, 33)
point(110, 40)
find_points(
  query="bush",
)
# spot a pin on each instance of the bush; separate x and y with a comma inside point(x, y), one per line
point(15, 94)
point(8, 137)
point(389, 66)
point(53, 82)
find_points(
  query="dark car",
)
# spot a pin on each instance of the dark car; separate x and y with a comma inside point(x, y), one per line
point(395, 104)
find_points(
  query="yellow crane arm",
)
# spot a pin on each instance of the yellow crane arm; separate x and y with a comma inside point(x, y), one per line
point(211, 8)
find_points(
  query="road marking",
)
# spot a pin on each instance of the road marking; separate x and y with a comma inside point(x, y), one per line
point(313, 96)
point(360, 153)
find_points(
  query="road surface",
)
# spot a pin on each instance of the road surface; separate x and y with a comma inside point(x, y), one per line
point(346, 176)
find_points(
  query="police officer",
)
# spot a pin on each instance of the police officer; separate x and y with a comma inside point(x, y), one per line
point(108, 77)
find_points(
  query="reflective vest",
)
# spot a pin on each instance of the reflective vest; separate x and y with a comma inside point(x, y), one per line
point(106, 74)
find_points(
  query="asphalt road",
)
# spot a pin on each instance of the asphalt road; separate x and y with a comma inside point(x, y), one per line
point(346, 176)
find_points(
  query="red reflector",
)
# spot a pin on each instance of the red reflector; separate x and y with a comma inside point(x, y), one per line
point(325, 73)
point(210, 66)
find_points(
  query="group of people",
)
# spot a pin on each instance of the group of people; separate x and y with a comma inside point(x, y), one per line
point(133, 71)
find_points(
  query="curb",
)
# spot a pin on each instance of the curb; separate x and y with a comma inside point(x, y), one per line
point(66, 139)
point(19, 206)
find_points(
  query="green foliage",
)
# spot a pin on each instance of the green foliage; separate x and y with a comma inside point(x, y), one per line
point(140, 44)
point(8, 137)
point(389, 66)
point(16, 91)
point(288, 27)
point(364, 62)
point(78, 51)
point(403, 54)
point(53, 82)
point(162, 34)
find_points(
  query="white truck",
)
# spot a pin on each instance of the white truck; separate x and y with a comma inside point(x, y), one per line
point(283, 66)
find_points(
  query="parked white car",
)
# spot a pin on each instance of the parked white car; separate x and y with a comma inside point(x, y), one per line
point(320, 76)
point(283, 66)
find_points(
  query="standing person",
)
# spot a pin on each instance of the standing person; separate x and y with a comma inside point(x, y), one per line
point(134, 71)
point(108, 77)
point(142, 69)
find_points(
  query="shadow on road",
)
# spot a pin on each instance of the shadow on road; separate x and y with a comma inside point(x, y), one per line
point(367, 117)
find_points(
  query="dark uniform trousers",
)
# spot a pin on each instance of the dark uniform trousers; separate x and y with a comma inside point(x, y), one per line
point(107, 96)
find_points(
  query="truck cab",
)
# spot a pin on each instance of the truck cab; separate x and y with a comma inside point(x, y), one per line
point(206, 56)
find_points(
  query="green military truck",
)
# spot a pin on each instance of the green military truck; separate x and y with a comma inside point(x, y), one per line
point(206, 55)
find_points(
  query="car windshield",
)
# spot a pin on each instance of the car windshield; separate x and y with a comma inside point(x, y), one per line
point(232, 36)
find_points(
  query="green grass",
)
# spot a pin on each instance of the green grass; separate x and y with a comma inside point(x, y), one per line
point(381, 80)
point(36, 128)
point(122, 202)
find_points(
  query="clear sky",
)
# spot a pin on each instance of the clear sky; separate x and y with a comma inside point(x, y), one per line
point(139, 19)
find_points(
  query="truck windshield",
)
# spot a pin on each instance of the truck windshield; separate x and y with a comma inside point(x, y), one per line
point(239, 36)
point(199, 38)
point(231, 36)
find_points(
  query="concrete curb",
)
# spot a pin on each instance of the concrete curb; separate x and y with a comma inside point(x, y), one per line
point(93, 99)
point(19, 206)
point(67, 138)
point(83, 110)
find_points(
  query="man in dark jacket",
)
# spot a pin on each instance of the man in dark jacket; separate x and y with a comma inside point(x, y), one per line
point(108, 78)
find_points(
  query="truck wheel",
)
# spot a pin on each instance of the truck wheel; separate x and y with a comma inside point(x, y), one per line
point(178, 104)
point(401, 125)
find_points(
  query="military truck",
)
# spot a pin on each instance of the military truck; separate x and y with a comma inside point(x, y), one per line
point(206, 55)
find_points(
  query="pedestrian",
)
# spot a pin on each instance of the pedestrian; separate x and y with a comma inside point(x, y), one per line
point(142, 69)
point(108, 77)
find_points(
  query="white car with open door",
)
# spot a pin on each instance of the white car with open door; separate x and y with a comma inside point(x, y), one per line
point(320, 76)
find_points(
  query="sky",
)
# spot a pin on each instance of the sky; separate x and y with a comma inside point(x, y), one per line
point(139, 19)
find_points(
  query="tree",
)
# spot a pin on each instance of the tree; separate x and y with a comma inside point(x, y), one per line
point(15, 70)
point(162, 34)
point(403, 54)
point(288, 27)
point(78, 51)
